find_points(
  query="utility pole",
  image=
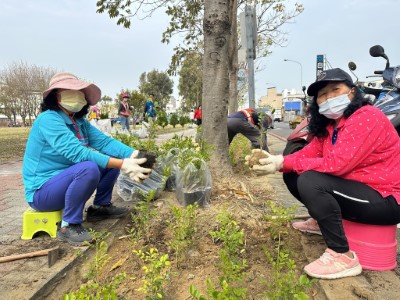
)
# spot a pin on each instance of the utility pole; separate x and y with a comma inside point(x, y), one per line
point(249, 41)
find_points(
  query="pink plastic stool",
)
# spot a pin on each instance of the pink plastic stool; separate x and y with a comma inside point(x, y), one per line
point(375, 245)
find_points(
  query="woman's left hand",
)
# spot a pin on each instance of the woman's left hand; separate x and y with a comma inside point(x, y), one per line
point(269, 165)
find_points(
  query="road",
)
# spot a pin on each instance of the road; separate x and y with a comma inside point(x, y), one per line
point(282, 129)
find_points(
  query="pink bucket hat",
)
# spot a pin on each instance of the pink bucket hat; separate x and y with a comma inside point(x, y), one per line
point(69, 81)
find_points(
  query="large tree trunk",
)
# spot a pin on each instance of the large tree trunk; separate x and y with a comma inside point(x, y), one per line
point(217, 26)
point(233, 60)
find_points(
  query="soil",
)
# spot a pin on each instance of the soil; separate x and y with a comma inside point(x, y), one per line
point(151, 158)
point(255, 158)
point(202, 260)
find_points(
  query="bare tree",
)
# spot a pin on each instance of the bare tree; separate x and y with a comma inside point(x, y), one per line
point(21, 90)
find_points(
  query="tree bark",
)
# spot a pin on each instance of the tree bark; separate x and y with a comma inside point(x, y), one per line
point(233, 60)
point(217, 27)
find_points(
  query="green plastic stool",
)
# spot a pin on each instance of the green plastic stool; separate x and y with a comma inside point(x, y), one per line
point(35, 221)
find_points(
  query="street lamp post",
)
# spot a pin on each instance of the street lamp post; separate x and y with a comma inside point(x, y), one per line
point(301, 69)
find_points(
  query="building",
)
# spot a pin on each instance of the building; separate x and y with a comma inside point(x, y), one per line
point(293, 103)
point(289, 102)
point(172, 105)
point(273, 99)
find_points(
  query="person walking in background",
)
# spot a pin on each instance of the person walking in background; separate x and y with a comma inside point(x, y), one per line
point(124, 112)
point(191, 117)
point(248, 122)
point(197, 115)
point(67, 159)
point(350, 170)
point(149, 109)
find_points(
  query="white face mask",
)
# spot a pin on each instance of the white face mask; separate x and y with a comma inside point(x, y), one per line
point(73, 101)
point(333, 108)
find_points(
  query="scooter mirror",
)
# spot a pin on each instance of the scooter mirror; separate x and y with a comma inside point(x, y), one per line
point(377, 51)
point(352, 66)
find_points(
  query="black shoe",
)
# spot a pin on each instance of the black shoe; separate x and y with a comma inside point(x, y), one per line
point(75, 234)
point(105, 212)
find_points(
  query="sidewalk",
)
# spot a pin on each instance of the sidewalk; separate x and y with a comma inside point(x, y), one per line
point(33, 279)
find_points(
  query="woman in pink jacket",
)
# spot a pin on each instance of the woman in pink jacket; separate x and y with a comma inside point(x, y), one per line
point(349, 170)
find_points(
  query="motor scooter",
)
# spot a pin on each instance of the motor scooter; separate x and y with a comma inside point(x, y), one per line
point(388, 101)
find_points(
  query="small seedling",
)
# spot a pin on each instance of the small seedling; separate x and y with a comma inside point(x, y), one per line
point(183, 228)
point(157, 273)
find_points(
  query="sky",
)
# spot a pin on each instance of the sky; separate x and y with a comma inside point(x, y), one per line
point(68, 35)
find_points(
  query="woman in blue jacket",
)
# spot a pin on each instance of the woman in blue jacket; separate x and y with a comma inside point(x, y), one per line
point(67, 159)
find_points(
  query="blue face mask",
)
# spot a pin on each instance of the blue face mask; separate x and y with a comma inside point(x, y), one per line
point(333, 108)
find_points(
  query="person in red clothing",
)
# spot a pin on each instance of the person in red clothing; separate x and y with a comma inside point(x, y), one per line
point(197, 115)
point(350, 170)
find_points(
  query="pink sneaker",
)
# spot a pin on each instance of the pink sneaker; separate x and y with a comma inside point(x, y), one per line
point(310, 226)
point(332, 265)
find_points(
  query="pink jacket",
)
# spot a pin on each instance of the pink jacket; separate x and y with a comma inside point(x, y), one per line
point(367, 150)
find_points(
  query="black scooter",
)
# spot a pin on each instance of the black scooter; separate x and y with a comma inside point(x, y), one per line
point(389, 103)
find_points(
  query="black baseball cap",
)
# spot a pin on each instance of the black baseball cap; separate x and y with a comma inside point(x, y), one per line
point(327, 76)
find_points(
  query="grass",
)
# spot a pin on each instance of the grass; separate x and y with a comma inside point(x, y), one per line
point(13, 140)
point(12, 143)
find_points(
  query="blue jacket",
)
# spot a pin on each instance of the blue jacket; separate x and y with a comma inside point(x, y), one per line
point(150, 109)
point(53, 146)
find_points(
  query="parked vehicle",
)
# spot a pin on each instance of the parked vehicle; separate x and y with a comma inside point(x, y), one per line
point(278, 115)
point(387, 100)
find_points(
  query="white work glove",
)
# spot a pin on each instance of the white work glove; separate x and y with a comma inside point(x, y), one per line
point(132, 168)
point(135, 154)
point(268, 165)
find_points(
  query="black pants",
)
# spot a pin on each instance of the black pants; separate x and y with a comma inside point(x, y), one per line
point(251, 132)
point(329, 199)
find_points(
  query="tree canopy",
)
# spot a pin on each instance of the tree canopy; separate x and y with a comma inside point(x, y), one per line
point(157, 83)
point(191, 81)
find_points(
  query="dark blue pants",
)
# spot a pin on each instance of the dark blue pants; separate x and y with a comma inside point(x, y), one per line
point(70, 190)
point(251, 132)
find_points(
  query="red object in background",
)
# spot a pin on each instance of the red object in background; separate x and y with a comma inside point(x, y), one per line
point(197, 114)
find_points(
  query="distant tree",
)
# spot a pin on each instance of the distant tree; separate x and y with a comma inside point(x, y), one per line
point(191, 79)
point(184, 120)
point(162, 119)
point(157, 83)
point(174, 120)
point(21, 88)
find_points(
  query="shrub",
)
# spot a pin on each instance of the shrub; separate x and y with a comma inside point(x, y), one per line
point(174, 120)
point(162, 119)
point(183, 120)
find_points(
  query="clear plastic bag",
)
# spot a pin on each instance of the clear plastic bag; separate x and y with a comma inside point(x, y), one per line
point(170, 160)
point(193, 183)
point(130, 190)
point(103, 125)
point(143, 132)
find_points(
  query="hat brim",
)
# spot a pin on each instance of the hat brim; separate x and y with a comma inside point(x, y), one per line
point(92, 92)
point(316, 86)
